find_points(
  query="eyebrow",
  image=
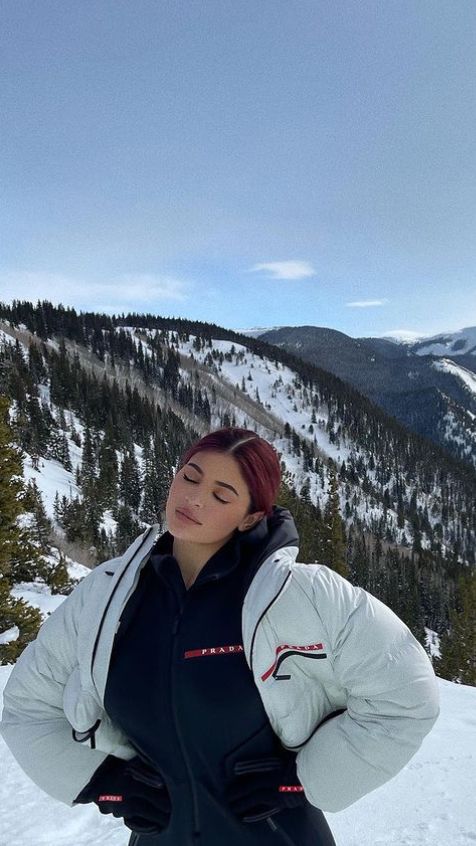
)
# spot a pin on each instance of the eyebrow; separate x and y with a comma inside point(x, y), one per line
point(223, 484)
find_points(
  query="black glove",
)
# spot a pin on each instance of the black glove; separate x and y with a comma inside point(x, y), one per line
point(130, 789)
point(263, 787)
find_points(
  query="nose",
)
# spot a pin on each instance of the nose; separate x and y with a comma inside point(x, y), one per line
point(193, 500)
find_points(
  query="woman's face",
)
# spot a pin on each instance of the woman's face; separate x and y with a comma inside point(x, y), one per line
point(211, 490)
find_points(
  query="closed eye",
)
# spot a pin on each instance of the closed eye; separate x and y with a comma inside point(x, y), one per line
point(224, 502)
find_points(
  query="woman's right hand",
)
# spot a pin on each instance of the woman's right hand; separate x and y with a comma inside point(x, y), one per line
point(132, 790)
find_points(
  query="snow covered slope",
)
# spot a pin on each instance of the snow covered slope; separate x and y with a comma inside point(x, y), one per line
point(466, 376)
point(427, 804)
point(448, 344)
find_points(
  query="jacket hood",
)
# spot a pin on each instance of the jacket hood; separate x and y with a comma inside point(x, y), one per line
point(273, 532)
point(276, 531)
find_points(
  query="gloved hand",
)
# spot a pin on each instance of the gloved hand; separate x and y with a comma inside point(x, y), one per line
point(132, 790)
point(263, 787)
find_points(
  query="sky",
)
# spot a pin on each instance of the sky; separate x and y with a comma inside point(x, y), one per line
point(250, 164)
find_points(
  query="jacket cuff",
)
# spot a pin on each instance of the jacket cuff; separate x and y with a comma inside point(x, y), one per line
point(88, 793)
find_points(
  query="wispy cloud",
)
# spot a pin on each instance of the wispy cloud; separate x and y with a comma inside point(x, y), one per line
point(403, 335)
point(285, 269)
point(127, 291)
point(366, 303)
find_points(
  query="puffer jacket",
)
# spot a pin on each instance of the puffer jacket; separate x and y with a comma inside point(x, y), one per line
point(356, 714)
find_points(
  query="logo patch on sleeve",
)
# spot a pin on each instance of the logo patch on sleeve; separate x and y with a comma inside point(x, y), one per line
point(281, 654)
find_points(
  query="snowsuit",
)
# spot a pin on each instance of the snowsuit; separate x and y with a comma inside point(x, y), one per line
point(260, 652)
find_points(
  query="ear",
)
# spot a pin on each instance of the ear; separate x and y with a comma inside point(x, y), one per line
point(250, 520)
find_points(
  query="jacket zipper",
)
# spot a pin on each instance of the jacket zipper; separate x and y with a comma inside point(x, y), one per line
point(278, 830)
point(196, 821)
point(111, 598)
point(90, 734)
point(263, 615)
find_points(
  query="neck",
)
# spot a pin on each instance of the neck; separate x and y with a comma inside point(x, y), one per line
point(192, 557)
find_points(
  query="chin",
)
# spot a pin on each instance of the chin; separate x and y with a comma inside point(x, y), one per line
point(181, 530)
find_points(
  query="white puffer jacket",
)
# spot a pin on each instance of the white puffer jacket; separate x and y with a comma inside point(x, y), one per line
point(369, 664)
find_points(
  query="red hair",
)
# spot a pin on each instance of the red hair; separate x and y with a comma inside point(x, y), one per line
point(258, 460)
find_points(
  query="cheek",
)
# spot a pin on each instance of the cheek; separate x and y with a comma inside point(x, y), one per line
point(228, 519)
point(174, 488)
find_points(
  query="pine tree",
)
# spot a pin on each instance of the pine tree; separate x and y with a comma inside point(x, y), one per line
point(75, 436)
point(128, 528)
point(16, 548)
point(58, 448)
point(107, 484)
point(40, 526)
point(36, 367)
point(19, 618)
point(129, 481)
point(36, 433)
point(334, 532)
point(64, 454)
point(457, 660)
point(306, 517)
point(148, 510)
point(88, 461)
point(58, 509)
point(11, 489)
point(305, 492)
point(58, 577)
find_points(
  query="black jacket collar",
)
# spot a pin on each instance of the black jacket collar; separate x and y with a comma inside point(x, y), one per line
point(255, 545)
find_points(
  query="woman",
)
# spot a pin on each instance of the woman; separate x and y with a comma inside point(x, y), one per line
point(209, 689)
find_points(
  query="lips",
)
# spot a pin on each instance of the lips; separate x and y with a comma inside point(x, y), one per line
point(185, 513)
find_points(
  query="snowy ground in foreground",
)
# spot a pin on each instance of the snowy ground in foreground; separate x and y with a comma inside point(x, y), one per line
point(429, 803)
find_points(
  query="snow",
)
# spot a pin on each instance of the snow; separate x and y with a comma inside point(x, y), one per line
point(450, 343)
point(429, 803)
point(6, 338)
point(39, 597)
point(256, 331)
point(467, 376)
point(10, 635)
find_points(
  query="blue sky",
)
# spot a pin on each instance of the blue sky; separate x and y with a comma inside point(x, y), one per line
point(246, 162)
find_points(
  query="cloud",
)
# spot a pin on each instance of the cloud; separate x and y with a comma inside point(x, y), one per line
point(403, 335)
point(366, 303)
point(285, 269)
point(125, 292)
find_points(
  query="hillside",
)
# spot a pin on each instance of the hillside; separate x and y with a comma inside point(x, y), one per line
point(103, 407)
point(429, 386)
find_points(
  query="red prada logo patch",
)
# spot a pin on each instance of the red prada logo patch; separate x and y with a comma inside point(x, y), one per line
point(312, 647)
point(213, 650)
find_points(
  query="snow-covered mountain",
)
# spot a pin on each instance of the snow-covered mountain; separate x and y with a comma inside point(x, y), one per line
point(261, 391)
point(447, 344)
point(428, 384)
point(256, 331)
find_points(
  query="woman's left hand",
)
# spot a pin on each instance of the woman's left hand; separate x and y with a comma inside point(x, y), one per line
point(263, 787)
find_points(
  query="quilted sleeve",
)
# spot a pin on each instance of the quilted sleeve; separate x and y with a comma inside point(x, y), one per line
point(391, 691)
point(33, 724)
